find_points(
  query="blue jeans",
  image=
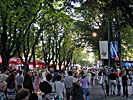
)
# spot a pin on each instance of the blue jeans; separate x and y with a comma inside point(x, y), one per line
point(86, 92)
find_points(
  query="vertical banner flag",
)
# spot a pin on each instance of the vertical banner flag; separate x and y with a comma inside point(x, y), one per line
point(114, 50)
point(103, 45)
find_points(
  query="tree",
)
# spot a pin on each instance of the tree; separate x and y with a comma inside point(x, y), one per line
point(26, 24)
point(103, 16)
point(16, 18)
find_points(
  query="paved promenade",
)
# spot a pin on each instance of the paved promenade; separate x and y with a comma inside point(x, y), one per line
point(97, 93)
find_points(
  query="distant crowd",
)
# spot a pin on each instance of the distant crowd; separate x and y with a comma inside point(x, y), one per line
point(62, 85)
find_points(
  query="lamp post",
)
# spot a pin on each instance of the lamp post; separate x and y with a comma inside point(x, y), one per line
point(108, 32)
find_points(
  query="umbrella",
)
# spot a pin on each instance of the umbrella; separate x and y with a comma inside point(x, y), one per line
point(127, 64)
point(19, 61)
point(12, 61)
point(38, 63)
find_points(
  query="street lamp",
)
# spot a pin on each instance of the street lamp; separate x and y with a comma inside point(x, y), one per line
point(94, 34)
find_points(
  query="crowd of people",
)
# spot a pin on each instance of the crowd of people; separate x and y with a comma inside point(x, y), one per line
point(117, 81)
point(66, 85)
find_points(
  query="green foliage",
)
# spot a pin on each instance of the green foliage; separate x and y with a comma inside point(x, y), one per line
point(128, 34)
point(16, 18)
point(127, 43)
point(64, 25)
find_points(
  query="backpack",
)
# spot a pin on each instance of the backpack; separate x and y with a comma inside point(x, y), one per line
point(45, 87)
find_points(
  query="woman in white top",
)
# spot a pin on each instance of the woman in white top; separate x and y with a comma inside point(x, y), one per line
point(60, 87)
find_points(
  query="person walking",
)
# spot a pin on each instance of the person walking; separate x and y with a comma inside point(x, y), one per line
point(11, 87)
point(89, 76)
point(77, 91)
point(28, 83)
point(19, 80)
point(132, 83)
point(113, 81)
point(100, 74)
point(49, 78)
point(44, 73)
point(36, 81)
point(68, 81)
point(3, 74)
point(60, 87)
point(125, 84)
point(85, 85)
point(3, 86)
point(93, 77)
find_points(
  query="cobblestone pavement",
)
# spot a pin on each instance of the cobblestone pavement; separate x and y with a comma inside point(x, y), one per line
point(97, 93)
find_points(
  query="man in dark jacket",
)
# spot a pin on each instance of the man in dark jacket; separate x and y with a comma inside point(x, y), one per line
point(113, 81)
point(125, 84)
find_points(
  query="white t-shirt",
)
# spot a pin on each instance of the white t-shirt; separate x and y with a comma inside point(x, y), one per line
point(60, 88)
point(44, 75)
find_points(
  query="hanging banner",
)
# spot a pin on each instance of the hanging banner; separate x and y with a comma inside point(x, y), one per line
point(114, 50)
point(103, 45)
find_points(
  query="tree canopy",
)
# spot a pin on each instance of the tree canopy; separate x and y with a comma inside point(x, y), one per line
point(56, 28)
